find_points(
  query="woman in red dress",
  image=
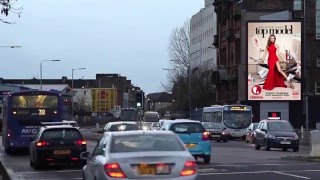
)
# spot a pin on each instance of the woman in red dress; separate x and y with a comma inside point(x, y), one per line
point(275, 75)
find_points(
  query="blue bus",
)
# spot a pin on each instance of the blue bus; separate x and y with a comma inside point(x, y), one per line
point(23, 112)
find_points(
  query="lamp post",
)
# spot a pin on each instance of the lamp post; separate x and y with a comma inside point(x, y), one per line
point(10, 46)
point(72, 86)
point(52, 60)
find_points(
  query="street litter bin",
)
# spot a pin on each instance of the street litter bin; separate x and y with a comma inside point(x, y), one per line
point(315, 143)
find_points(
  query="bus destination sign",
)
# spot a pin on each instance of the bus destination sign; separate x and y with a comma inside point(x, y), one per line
point(239, 108)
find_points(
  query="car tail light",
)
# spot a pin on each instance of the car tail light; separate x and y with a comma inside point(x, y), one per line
point(114, 170)
point(190, 168)
point(80, 142)
point(42, 143)
point(205, 136)
point(9, 134)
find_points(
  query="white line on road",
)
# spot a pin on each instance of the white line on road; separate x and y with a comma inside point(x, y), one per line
point(40, 172)
point(292, 175)
point(245, 165)
point(256, 172)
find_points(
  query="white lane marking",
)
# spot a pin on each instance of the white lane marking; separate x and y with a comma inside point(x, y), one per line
point(40, 172)
point(257, 172)
point(246, 165)
point(292, 175)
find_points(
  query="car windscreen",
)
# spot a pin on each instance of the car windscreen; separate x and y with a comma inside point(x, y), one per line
point(255, 125)
point(65, 134)
point(145, 142)
point(124, 127)
point(280, 126)
point(187, 127)
point(212, 126)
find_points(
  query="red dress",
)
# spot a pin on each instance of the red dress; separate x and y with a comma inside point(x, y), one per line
point(274, 78)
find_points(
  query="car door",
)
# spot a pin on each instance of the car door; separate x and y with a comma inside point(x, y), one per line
point(94, 163)
point(264, 131)
point(259, 133)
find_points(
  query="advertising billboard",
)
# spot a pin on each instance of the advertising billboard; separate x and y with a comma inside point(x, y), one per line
point(274, 61)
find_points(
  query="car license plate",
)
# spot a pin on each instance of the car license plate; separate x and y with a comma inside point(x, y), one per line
point(191, 145)
point(61, 152)
point(215, 135)
point(146, 170)
point(163, 169)
point(285, 142)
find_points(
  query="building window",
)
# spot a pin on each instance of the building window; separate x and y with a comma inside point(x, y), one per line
point(317, 87)
point(297, 5)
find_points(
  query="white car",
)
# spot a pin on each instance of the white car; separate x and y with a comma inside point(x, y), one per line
point(140, 155)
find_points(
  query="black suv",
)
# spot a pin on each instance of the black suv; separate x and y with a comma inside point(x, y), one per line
point(57, 144)
point(276, 134)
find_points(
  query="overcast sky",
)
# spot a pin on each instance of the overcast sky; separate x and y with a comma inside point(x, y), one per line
point(127, 37)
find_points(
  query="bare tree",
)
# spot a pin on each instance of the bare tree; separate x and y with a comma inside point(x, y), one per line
point(202, 89)
point(8, 6)
point(81, 105)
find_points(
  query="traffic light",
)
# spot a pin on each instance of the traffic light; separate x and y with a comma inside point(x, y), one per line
point(139, 99)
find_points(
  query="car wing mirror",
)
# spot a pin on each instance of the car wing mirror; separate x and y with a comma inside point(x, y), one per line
point(85, 155)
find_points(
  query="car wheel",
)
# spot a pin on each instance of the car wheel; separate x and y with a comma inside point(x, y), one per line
point(284, 149)
point(206, 159)
point(257, 146)
point(296, 149)
point(219, 140)
point(266, 146)
point(31, 163)
point(225, 140)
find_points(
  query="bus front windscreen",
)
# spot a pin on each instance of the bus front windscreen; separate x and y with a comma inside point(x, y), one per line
point(237, 119)
point(128, 115)
point(27, 106)
point(213, 117)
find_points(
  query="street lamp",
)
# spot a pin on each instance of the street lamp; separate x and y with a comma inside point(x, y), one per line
point(72, 75)
point(52, 60)
point(10, 46)
point(72, 86)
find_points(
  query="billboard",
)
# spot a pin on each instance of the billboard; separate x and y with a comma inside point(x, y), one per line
point(274, 61)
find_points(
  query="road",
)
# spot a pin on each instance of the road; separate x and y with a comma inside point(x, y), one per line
point(231, 160)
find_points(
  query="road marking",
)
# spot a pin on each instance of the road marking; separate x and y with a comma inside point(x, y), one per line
point(292, 175)
point(246, 165)
point(259, 172)
point(40, 172)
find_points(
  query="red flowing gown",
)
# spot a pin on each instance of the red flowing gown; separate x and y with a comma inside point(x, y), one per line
point(274, 78)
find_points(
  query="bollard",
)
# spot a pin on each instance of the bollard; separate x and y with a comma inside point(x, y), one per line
point(315, 143)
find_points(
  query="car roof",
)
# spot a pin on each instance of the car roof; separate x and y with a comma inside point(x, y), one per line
point(269, 120)
point(122, 122)
point(138, 132)
point(59, 127)
point(184, 120)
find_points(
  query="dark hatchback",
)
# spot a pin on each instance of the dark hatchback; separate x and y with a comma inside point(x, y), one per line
point(276, 134)
point(60, 144)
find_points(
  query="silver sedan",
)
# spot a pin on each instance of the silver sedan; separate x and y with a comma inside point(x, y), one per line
point(140, 155)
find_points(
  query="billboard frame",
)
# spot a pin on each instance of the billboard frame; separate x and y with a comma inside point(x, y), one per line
point(302, 58)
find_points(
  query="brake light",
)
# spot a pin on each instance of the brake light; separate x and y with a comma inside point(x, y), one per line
point(9, 132)
point(114, 170)
point(80, 142)
point(190, 168)
point(205, 136)
point(42, 143)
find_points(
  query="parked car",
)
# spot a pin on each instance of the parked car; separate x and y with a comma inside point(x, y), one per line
point(193, 135)
point(276, 134)
point(57, 144)
point(250, 133)
point(217, 132)
point(140, 155)
point(155, 126)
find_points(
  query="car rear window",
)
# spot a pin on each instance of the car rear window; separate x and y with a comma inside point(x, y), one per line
point(124, 127)
point(187, 128)
point(61, 134)
point(145, 142)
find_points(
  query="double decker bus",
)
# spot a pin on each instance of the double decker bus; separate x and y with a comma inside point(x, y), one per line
point(24, 111)
point(235, 118)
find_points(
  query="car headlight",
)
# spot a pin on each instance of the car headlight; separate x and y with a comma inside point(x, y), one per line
point(145, 128)
point(296, 137)
point(271, 136)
